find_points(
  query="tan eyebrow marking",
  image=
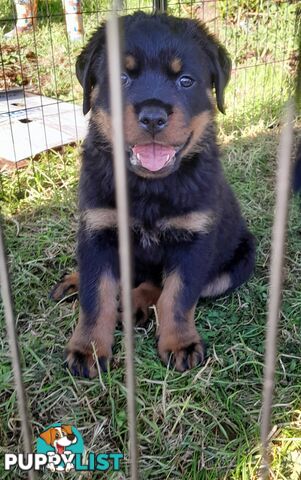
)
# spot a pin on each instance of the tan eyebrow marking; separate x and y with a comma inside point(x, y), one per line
point(130, 62)
point(176, 65)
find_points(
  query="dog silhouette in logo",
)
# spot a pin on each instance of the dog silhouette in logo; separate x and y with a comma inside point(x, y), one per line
point(59, 438)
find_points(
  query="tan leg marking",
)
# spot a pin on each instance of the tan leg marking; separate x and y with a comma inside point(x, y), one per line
point(176, 331)
point(101, 332)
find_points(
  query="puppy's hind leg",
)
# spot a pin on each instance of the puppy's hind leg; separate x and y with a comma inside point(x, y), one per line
point(237, 272)
point(144, 296)
point(66, 288)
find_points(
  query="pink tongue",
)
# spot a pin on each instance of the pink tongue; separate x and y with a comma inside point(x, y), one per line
point(153, 156)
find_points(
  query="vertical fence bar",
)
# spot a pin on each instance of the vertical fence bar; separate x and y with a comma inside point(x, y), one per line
point(116, 102)
point(160, 6)
point(277, 262)
point(14, 351)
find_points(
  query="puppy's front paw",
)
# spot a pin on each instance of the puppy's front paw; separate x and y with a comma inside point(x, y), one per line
point(84, 365)
point(184, 354)
point(80, 357)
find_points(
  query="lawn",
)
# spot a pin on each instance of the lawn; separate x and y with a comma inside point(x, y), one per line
point(203, 424)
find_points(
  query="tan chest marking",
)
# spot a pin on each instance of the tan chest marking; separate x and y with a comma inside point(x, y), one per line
point(178, 227)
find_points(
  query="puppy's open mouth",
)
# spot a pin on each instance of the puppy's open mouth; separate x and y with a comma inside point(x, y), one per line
point(153, 156)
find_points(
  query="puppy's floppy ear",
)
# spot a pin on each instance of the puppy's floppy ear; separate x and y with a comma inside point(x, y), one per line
point(221, 69)
point(220, 62)
point(221, 75)
point(86, 65)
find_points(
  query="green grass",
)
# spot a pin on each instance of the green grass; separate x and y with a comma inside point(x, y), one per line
point(203, 424)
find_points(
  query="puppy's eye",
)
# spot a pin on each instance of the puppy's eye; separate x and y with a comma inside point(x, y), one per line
point(125, 79)
point(186, 81)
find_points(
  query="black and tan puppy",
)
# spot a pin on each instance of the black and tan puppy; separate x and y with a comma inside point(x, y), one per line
point(189, 238)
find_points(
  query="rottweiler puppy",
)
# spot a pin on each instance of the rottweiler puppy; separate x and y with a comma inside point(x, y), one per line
point(190, 240)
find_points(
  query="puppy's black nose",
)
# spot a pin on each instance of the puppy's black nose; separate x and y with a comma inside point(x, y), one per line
point(153, 119)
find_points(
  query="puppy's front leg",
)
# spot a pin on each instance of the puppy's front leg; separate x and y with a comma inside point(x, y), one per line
point(98, 289)
point(177, 334)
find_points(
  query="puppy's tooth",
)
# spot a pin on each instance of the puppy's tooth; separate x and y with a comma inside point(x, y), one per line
point(138, 156)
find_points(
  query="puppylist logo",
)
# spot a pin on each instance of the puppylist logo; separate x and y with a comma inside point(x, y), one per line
point(60, 448)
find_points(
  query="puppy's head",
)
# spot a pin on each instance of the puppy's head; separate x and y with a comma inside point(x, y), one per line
point(170, 67)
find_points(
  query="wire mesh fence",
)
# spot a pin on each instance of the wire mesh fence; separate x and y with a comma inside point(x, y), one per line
point(263, 45)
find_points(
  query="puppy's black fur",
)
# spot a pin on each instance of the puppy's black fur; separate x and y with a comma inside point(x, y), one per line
point(297, 171)
point(189, 238)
